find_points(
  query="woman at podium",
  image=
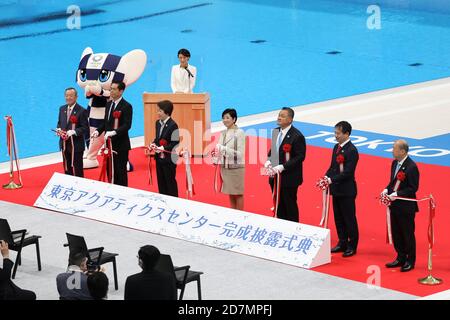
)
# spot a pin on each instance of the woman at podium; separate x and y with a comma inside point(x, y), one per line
point(183, 75)
point(231, 153)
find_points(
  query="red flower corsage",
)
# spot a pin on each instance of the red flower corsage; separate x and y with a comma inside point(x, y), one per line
point(73, 119)
point(340, 158)
point(117, 114)
point(163, 142)
point(287, 147)
point(401, 176)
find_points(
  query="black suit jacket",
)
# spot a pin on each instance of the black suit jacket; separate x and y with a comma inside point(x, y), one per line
point(121, 141)
point(8, 290)
point(408, 187)
point(152, 285)
point(81, 128)
point(343, 184)
point(170, 133)
point(292, 176)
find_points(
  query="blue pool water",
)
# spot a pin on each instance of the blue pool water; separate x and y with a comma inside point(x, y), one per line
point(38, 59)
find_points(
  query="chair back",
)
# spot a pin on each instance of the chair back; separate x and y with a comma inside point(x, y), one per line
point(76, 244)
point(5, 232)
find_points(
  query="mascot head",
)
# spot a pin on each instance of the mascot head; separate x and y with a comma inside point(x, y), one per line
point(99, 70)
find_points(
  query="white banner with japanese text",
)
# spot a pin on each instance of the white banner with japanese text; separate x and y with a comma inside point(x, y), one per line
point(238, 231)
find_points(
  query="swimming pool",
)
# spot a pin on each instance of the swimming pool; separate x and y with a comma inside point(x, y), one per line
point(255, 56)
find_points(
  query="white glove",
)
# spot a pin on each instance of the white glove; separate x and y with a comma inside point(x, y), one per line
point(267, 164)
point(392, 195)
point(385, 191)
point(328, 179)
point(109, 134)
point(152, 146)
point(71, 133)
point(278, 169)
point(94, 134)
point(159, 149)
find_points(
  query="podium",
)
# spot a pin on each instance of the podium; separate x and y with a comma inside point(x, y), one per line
point(191, 111)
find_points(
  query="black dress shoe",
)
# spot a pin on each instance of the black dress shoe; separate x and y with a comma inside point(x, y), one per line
point(407, 267)
point(349, 253)
point(338, 248)
point(394, 264)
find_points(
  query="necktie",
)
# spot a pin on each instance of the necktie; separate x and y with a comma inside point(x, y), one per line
point(162, 127)
point(399, 165)
point(113, 106)
point(69, 112)
point(279, 140)
point(338, 149)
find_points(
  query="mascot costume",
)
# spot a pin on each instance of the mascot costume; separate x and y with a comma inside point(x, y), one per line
point(95, 74)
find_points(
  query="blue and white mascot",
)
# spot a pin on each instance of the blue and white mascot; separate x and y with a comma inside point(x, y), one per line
point(95, 74)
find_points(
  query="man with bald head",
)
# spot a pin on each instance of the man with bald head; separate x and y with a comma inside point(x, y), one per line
point(403, 182)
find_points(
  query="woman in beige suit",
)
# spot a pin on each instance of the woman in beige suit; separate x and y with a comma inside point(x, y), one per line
point(231, 151)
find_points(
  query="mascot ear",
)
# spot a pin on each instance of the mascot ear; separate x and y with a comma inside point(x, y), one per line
point(132, 65)
point(86, 51)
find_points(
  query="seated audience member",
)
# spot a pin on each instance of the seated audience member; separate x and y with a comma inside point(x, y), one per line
point(150, 284)
point(98, 283)
point(8, 290)
point(72, 285)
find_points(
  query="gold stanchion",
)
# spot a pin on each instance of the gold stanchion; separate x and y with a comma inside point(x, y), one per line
point(430, 280)
point(12, 151)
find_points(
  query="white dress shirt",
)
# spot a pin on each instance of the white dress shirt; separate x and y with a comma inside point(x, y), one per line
point(283, 133)
point(180, 81)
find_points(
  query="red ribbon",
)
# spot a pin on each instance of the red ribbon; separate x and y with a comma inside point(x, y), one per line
point(150, 165)
point(276, 193)
point(217, 179)
point(9, 126)
point(12, 148)
point(323, 185)
point(432, 212)
point(190, 191)
point(107, 155)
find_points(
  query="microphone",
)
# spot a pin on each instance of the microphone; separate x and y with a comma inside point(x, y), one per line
point(189, 72)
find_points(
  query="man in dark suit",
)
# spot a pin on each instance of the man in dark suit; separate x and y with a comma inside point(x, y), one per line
point(119, 136)
point(341, 178)
point(286, 156)
point(167, 139)
point(404, 182)
point(73, 120)
point(150, 284)
point(8, 290)
point(72, 285)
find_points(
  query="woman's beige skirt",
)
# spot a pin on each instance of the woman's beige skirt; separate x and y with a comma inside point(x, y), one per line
point(233, 181)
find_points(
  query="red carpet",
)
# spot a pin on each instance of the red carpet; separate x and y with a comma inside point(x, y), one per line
point(372, 176)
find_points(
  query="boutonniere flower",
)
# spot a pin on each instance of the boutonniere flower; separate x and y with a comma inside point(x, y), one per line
point(73, 120)
point(340, 160)
point(287, 150)
point(116, 115)
point(163, 143)
point(401, 176)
